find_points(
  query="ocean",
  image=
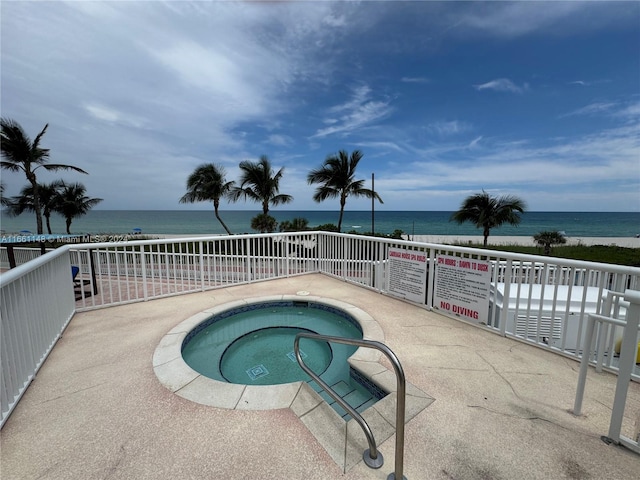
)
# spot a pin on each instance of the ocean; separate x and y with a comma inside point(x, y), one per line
point(577, 224)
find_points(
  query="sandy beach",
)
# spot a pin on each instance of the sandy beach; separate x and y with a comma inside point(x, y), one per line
point(628, 242)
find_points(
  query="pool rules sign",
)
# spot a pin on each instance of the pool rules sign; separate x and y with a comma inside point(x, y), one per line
point(462, 287)
point(407, 274)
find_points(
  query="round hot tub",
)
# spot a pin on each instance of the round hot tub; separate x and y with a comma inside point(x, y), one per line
point(253, 344)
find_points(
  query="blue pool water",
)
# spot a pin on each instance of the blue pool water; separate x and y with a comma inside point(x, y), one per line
point(266, 357)
point(253, 345)
point(250, 351)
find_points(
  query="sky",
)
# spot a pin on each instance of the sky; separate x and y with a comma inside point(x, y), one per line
point(444, 99)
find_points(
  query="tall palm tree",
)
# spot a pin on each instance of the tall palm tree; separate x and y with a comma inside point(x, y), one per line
point(20, 153)
point(207, 183)
point(548, 238)
point(337, 179)
point(73, 202)
point(260, 184)
point(49, 196)
point(487, 212)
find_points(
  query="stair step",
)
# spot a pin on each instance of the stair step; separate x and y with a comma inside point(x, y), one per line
point(358, 398)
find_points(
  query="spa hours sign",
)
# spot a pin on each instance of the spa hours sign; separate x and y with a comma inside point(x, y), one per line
point(407, 274)
point(462, 287)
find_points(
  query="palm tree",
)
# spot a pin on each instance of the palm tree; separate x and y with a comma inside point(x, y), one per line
point(487, 212)
point(20, 153)
point(74, 203)
point(260, 184)
point(4, 201)
point(49, 196)
point(298, 224)
point(336, 176)
point(264, 223)
point(207, 183)
point(548, 238)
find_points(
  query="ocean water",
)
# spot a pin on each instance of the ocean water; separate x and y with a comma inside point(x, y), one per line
point(577, 224)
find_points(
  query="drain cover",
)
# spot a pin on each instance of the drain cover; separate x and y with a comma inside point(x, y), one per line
point(257, 372)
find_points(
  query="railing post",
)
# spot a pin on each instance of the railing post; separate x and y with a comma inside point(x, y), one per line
point(506, 298)
point(627, 362)
point(201, 260)
point(584, 365)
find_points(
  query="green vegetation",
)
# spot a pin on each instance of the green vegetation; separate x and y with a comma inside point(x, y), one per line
point(594, 253)
point(21, 154)
point(72, 202)
point(207, 183)
point(67, 199)
point(548, 238)
point(260, 184)
point(298, 224)
point(396, 235)
point(487, 212)
point(336, 178)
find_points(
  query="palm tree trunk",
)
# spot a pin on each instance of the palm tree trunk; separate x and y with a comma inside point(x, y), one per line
point(222, 223)
point(486, 236)
point(68, 225)
point(343, 201)
point(340, 220)
point(48, 218)
point(36, 202)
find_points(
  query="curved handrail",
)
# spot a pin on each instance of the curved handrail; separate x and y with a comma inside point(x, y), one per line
point(400, 401)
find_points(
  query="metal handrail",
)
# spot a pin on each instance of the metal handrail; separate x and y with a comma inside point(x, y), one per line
point(371, 455)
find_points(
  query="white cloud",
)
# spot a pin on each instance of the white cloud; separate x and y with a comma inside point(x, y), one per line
point(630, 111)
point(380, 145)
point(502, 85)
point(415, 80)
point(139, 93)
point(569, 171)
point(513, 19)
point(358, 112)
point(580, 82)
point(475, 142)
point(112, 115)
point(280, 140)
point(594, 108)
point(445, 128)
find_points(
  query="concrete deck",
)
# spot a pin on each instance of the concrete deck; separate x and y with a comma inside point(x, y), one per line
point(501, 409)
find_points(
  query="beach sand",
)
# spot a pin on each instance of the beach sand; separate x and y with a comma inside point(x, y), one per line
point(629, 242)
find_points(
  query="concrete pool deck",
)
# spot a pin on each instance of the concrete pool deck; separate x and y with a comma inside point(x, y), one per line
point(97, 410)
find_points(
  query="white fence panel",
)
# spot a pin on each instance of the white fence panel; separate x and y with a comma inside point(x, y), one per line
point(539, 300)
point(36, 304)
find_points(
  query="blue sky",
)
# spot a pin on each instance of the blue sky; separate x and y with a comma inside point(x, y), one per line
point(539, 100)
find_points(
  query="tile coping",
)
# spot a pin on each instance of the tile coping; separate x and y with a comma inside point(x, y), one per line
point(323, 422)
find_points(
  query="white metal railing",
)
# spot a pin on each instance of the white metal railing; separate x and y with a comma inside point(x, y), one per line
point(22, 255)
point(539, 300)
point(35, 306)
point(141, 270)
point(597, 330)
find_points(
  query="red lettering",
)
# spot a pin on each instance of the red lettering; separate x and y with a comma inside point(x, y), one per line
point(465, 312)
